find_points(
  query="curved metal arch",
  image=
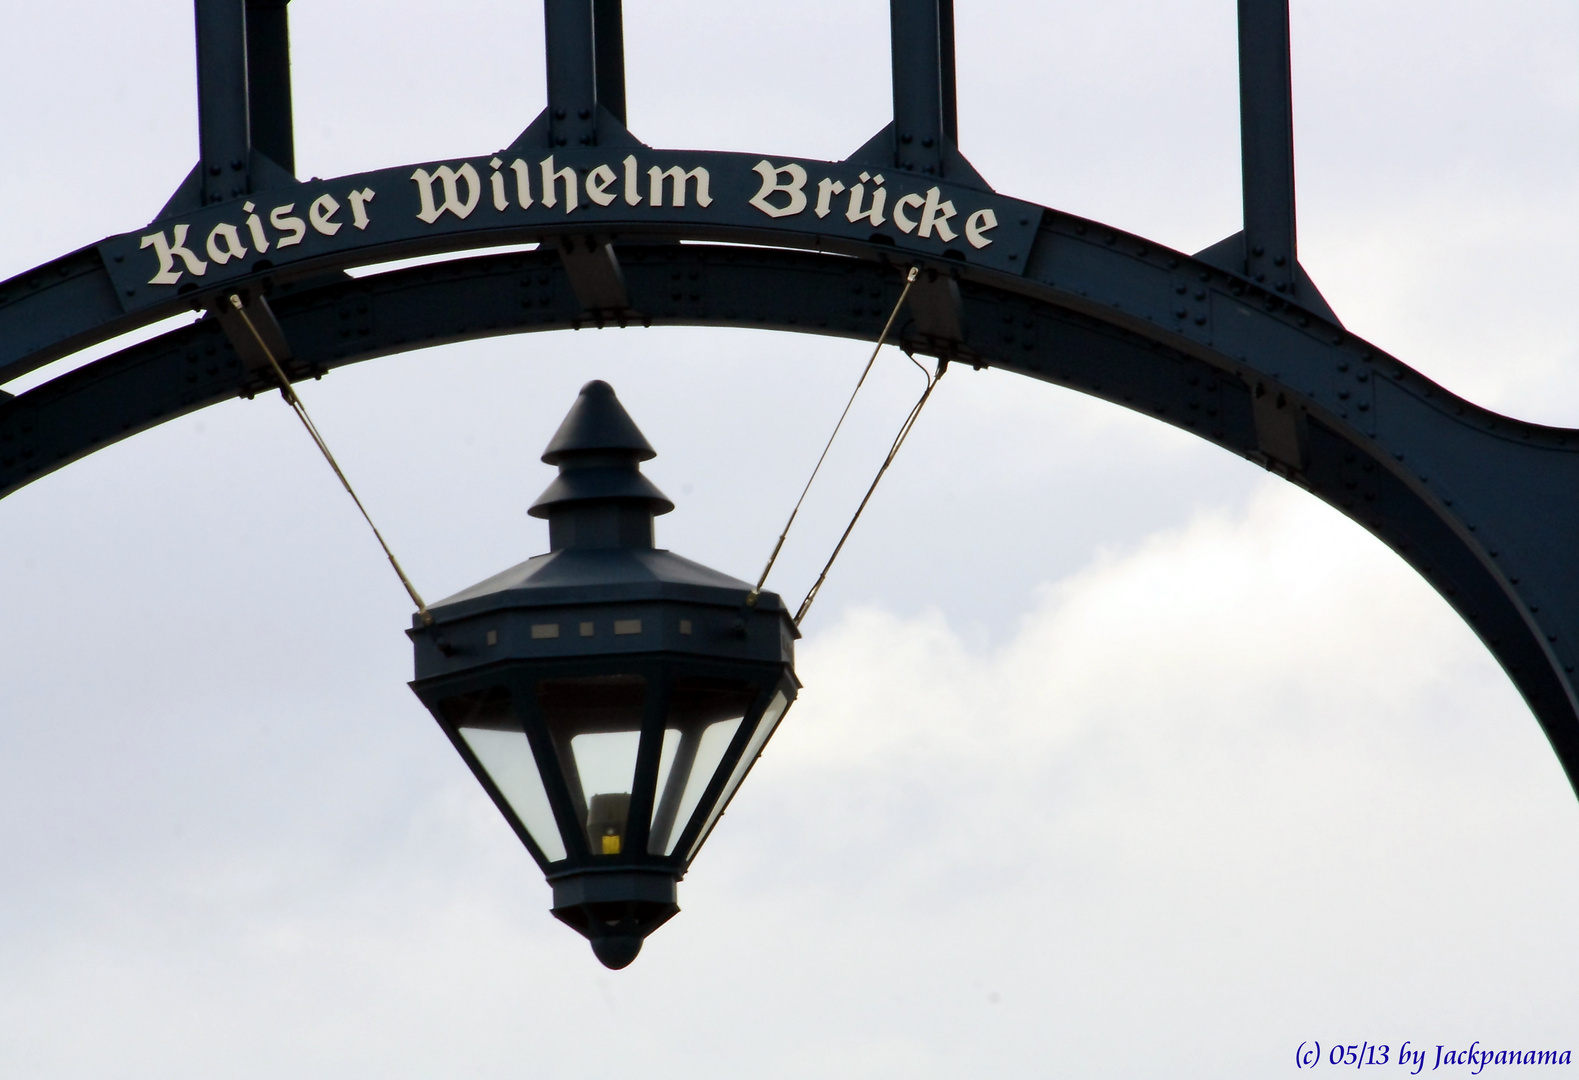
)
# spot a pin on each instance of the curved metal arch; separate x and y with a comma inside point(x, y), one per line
point(1456, 490)
point(1235, 344)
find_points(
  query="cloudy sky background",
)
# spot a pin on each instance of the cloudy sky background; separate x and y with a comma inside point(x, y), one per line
point(1117, 756)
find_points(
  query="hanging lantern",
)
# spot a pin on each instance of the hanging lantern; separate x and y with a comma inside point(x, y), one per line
point(610, 696)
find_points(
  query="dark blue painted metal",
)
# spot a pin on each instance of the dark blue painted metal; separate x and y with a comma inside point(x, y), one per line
point(269, 82)
point(1474, 501)
point(1480, 504)
point(243, 104)
point(918, 64)
point(1267, 249)
point(924, 137)
point(224, 123)
point(608, 32)
point(1266, 118)
point(572, 72)
point(536, 194)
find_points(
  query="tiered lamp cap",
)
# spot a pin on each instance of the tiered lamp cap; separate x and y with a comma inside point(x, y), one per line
point(598, 449)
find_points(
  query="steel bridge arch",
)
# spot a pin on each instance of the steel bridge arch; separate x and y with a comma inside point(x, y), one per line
point(1234, 343)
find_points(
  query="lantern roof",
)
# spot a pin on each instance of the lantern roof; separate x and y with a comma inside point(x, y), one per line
point(600, 575)
point(597, 423)
point(602, 567)
point(600, 510)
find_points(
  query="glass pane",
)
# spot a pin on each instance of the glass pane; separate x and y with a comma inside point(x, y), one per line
point(704, 715)
point(759, 738)
point(490, 729)
point(671, 744)
point(606, 764)
point(595, 726)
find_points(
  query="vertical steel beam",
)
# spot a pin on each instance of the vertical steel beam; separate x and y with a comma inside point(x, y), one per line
point(224, 134)
point(919, 111)
point(1266, 133)
point(608, 39)
point(269, 81)
point(572, 72)
point(946, 67)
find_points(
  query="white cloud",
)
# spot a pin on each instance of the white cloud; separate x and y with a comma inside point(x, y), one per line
point(1246, 783)
point(1239, 781)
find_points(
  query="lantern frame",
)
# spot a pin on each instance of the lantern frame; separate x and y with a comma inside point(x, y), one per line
point(521, 679)
point(605, 602)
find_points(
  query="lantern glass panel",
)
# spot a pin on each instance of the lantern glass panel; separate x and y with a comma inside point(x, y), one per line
point(495, 736)
point(594, 724)
point(765, 726)
point(703, 717)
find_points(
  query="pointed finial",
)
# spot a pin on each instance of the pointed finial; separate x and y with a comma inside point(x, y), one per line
point(597, 423)
point(600, 499)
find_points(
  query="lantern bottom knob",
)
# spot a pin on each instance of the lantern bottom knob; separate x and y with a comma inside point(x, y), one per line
point(616, 952)
point(615, 911)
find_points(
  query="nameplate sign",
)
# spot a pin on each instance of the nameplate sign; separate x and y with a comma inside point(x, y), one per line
point(517, 198)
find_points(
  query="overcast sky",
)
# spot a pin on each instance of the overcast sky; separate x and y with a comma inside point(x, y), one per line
point(1117, 755)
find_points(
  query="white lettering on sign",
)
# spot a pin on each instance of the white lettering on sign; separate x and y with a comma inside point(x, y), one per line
point(523, 183)
point(907, 225)
point(935, 216)
point(551, 181)
point(598, 181)
point(168, 252)
point(874, 213)
point(294, 228)
point(321, 213)
point(794, 189)
point(936, 212)
point(783, 190)
point(656, 177)
point(632, 182)
point(827, 188)
point(976, 227)
point(233, 247)
point(260, 241)
point(227, 243)
point(501, 201)
point(359, 201)
point(450, 180)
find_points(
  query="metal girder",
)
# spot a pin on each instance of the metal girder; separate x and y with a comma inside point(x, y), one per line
point(1460, 493)
point(1234, 344)
point(608, 55)
point(1266, 124)
point(223, 113)
point(1267, 249)
point(924, 135)
point(585, 46)
point(530, 192)
point(245, 132)
point(572, 72)
point(269, 111)
point(923, 64)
